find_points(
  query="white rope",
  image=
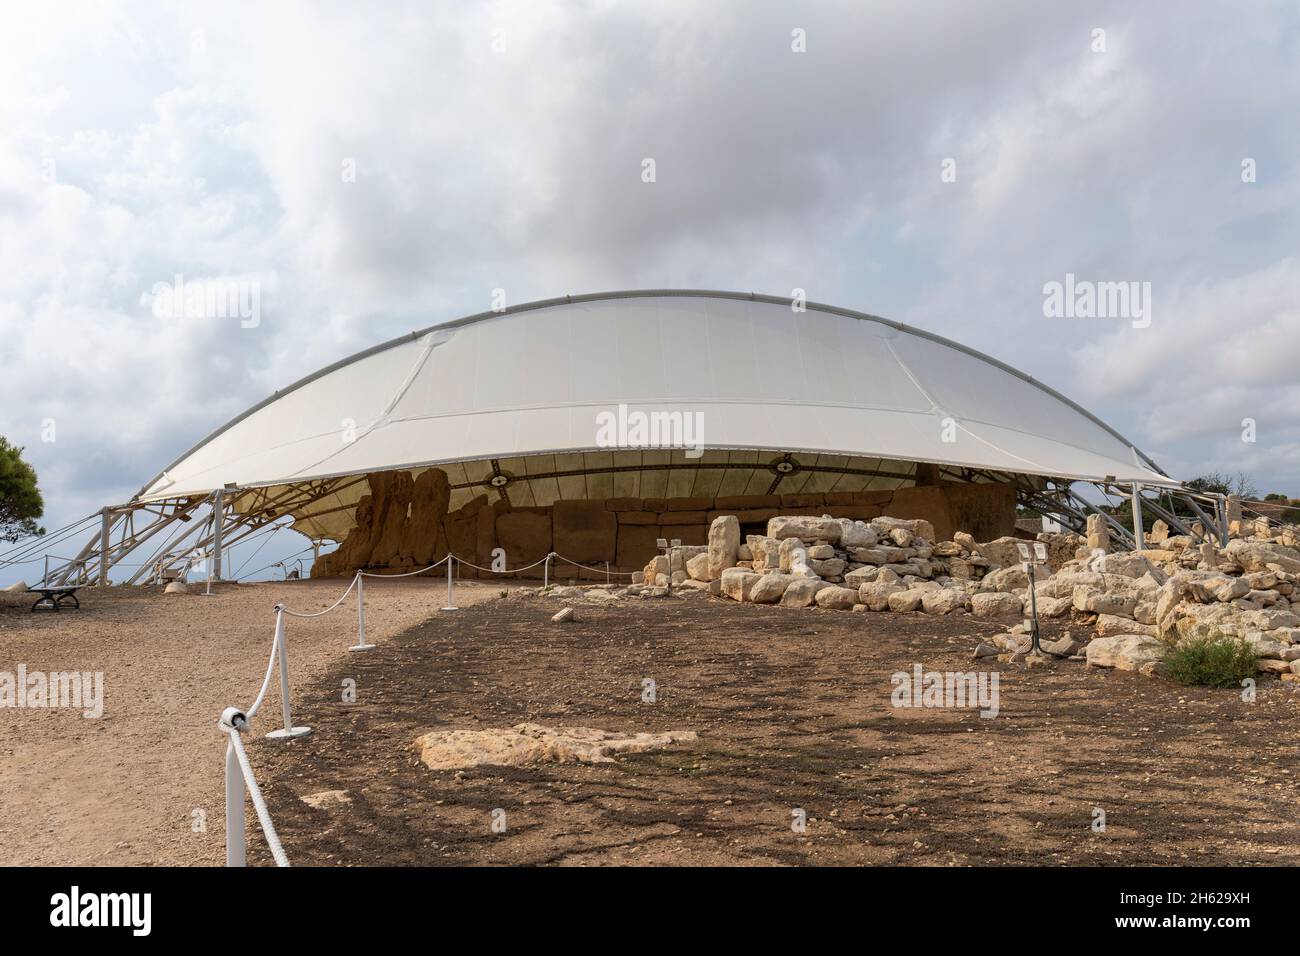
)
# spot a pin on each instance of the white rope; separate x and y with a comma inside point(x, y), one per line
point(622, 574)
point(408, 574)
point(328, 609)
point(266, 682)
point(469, 564)
point(255, 793)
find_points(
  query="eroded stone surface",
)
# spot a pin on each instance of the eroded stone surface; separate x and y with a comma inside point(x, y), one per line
point(526, 744)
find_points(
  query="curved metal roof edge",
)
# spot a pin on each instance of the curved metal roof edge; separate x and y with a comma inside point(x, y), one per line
point(645, 294)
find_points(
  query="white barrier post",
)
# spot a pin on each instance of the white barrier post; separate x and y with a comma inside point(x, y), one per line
point(235, 855)
point(361, 644)
point(450, 604)
point(289, 731)
point(546, 571)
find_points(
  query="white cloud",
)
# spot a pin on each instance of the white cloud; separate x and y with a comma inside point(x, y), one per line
point(210, 141)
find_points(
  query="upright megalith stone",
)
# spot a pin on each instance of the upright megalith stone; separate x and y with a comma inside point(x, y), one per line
point(724, 545)
point(387, 544)
point(1232, 512)
point(1098, 533)
point(429, 503)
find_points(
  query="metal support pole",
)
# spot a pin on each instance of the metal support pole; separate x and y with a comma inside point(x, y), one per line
point(235, 855)
point(218, 519)
point(361, 644)
point(1030, 570)
point(1221, 513)
point(105, 525)
point(1139, 536)
point(451, 559)
point(289, 731)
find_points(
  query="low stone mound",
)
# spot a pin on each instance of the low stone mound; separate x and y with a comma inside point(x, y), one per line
point(1137, 604)
point(527, 744)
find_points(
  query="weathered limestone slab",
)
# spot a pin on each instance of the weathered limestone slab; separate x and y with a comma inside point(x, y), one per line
point(738, 584)
point(584, 531)
point(837, 598)
point(526, 744)
point(807, 528)
point(770, 588)
point(524, 535)
point(724, 545)
point(996, 605)
point(802, 592)
point(1126, 652)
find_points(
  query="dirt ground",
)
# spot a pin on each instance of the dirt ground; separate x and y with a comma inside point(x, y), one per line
point(793, 713)
point(792, 708)
point(122, 789)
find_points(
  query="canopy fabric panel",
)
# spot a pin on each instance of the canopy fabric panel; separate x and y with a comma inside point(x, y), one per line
point(532, 381)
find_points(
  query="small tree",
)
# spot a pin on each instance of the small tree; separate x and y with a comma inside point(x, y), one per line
point(1216, 483)
point(20, 499)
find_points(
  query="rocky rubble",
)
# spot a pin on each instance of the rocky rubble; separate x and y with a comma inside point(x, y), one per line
point(1137, 604)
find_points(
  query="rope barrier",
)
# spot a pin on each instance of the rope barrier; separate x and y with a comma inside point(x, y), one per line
point(266, 681)
point(408, 574)
point(239, 772)
point(587, 567)
point(460, 560)
point(328, 609)
point(234, 726)
point(240, 780)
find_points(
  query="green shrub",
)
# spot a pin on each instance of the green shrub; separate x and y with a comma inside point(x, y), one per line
point(1212, 660)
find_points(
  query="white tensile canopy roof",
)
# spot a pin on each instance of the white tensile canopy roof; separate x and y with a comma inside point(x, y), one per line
point(519, 392)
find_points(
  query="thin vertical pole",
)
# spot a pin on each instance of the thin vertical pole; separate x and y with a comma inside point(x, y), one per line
point(361, 644)
point(282, 648)
point(218, 520)
point(234, 807)
point(284, 668)
point(1139, 536)
point(105, 524)
point(450, 605)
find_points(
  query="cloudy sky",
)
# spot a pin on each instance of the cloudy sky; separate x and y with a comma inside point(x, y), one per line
point(372, 169)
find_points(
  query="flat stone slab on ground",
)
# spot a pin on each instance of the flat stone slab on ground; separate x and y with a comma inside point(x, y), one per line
point(525, 744)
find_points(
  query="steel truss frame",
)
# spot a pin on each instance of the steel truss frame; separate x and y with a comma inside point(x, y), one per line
point(208, 523)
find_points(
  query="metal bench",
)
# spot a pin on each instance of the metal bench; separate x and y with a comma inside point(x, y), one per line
point(53, 597)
